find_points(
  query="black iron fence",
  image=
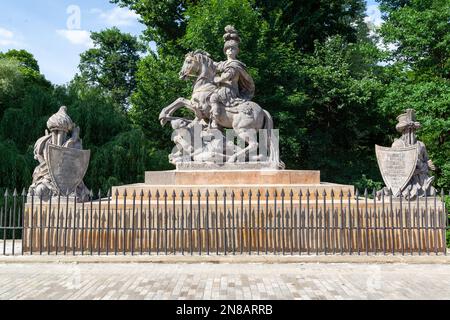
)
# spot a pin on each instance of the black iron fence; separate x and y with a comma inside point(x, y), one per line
point(221, 223)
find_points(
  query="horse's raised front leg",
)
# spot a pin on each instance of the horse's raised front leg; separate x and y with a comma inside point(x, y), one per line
point(168, 111)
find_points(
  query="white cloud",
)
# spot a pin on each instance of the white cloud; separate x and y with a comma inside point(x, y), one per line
point(5, 33)
point(77, 37)
point(374, 21)
point(8, 43)
point(7, 38)
point(373, 16)
point(117, 16)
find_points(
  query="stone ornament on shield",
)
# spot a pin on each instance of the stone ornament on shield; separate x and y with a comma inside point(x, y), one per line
point(62, 161)
point(405, 166)
point(229, 130)
point(397, 166)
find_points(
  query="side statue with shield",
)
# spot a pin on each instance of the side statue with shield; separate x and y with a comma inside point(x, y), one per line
point(405, 166)
point(62, 161)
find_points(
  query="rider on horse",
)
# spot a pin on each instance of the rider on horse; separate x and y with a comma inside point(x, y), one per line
point(235, 85)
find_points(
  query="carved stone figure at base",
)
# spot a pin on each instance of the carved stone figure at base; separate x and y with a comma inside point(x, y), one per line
point(405, 166)
point(62, 160)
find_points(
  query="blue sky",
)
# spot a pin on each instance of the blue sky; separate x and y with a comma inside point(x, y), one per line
point(57, 31)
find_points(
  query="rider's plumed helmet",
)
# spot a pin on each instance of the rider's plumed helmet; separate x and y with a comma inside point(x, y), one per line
point(231, 38)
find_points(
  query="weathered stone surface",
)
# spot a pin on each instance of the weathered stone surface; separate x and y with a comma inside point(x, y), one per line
point(397, 166)
point(228, 181)
point(272, 189)
point(62, 162)
point(405, 166)
point(221, 99)
point(271, 278)
point(183, 166)
point(232, 177)
point(67, 166)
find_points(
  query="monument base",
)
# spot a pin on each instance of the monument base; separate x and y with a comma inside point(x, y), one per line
point(237, 166)
point(149, 219)
point(273, 182)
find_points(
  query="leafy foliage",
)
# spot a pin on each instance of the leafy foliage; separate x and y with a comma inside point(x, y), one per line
point(323, 102)
point(111, 65)
point(316, 71)
point(120, 153)
point(420, 74)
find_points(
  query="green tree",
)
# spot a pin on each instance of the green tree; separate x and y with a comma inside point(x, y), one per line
point(112, 63)
point(25, 96)
point(342, 122)
point(420, 72)
point(301, 21)
point(165, 19)
point(120, 153)
point(25, 59)
point(28, 66)
point(322, 93)
point(157, 86)
point(305, 22)
point(11, 83)
point(421, 33)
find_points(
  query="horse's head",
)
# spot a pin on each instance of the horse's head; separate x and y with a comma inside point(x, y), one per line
point(197, 63)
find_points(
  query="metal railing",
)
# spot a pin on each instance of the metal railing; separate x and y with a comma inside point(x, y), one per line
point(162, 223)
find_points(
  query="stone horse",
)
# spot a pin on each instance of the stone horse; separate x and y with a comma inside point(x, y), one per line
point(245, 119)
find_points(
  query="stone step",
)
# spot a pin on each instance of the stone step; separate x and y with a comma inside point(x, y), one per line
point(237, 189)
point(232, 177)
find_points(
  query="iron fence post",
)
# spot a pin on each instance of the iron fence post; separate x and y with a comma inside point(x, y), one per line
point(58, 216)
point(133, 221)
point(108, 222)
point(141, 221)
point(75, 217)
point(24, 194)
point(207, 221)
point(157, 222)
point(233, 224)
point(250, 213)
point(101, 217)
point(174, 195)
point(326, 220)
point(300, 223)
point(124, 225)
point(199, 220)
point(216, 195)
point(291, 199)
point(267, 224)
point(316, 224)
point(358, 233)
point(283, 226)
point(182, 221)
point(14, 220)
point(150, 222)
point(116, 238)
point(334, 224)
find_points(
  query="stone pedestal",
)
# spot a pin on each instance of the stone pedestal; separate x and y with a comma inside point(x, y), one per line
point(272, 181)
point(224, 224)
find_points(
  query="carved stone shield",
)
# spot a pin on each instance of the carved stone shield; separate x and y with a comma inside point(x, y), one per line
point(67, 167)
point(397, 166)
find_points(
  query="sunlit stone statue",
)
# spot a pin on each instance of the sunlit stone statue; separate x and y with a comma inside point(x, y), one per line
point(405, 166)
point(62, 161)
point(221, 100)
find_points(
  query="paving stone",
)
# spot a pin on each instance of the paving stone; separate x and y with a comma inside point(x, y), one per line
point(234, 282)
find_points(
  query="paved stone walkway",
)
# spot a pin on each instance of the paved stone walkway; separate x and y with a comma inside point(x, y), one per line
point(224, 281)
